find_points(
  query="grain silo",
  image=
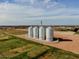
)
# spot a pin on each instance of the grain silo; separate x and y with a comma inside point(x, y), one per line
point(49, 34)
point(30, 32)
point(35, 32)
point(41, 33)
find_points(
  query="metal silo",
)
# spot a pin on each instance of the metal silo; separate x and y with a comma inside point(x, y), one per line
point(49, 34)
point(41, 33)
point(30, 32)
point(35, 32)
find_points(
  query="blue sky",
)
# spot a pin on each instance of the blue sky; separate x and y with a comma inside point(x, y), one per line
point(54, 12)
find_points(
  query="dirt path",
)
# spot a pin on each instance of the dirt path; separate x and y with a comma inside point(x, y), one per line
point(72, 45)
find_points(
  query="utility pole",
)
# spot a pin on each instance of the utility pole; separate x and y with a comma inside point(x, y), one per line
point(41, 22)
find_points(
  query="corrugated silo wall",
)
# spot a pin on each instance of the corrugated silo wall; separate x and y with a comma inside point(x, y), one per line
point(35, 32)
point(41, 33)
point(49, 34)
point(30, 32)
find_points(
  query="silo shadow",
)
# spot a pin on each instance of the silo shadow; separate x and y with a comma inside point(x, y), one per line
point(62, 40)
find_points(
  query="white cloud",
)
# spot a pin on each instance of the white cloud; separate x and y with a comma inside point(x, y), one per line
point(10, 12)
point(46, 1)
point(28, 10)
point(21, 1)
point(14, 9)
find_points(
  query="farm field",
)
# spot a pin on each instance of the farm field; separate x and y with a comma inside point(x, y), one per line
point(17, 31)
point(12, 47)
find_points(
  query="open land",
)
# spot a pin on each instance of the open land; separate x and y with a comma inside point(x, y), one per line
point(14, 44)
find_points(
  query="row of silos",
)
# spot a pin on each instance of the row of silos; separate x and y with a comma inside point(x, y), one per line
point(42, 33)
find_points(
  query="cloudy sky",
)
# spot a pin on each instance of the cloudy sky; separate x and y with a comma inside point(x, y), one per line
point(23, 12)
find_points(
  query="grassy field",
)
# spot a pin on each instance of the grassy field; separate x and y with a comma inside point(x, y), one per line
point(18, 48)
point(76, 32)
